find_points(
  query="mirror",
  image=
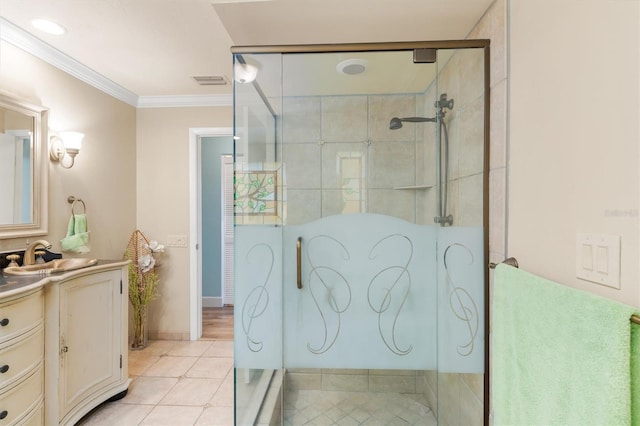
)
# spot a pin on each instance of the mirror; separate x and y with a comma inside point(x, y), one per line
point(23, 168)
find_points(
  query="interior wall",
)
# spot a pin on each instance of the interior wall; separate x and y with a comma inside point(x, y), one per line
point(163, 204)
point(104, 171)
point(573, 139)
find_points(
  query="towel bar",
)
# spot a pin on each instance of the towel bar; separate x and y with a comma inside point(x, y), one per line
point(511, 261)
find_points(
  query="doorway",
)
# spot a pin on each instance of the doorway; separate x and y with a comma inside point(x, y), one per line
point(210, 149)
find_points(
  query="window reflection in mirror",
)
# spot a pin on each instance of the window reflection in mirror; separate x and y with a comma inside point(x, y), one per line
point(16, 167)
point(23, 133)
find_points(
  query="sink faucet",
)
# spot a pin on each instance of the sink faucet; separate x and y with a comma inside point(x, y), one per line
point(29, 254)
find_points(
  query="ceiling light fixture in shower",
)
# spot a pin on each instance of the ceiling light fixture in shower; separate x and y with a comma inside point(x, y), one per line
point(352, 66)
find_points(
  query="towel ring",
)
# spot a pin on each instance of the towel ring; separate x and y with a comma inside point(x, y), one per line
point(73, 200)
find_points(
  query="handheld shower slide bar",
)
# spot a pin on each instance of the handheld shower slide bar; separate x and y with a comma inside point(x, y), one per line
point(442, 153)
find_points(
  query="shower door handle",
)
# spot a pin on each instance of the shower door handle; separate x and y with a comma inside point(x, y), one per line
point(299, 262)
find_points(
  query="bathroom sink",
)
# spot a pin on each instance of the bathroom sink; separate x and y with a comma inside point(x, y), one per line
point(51, 267)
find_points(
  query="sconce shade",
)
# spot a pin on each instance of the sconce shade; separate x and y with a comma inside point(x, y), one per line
point(72, 141)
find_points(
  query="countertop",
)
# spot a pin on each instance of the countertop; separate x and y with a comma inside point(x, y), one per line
point(11, 285)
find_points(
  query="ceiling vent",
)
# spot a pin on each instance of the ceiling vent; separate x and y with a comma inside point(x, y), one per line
point(211, 80)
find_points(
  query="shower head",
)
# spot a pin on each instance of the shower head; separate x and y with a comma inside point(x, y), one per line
point(396, 123)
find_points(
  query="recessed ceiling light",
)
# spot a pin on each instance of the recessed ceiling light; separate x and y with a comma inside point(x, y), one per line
point(352, 66)
point(48, 26)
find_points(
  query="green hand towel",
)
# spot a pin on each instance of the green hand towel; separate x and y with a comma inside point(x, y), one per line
point(560, 356)
point(80, 224)
point(77, 238)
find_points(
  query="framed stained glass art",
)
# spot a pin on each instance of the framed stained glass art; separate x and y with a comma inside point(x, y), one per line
point(255, 193)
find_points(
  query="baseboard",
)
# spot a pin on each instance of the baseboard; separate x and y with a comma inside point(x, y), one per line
point(212, 302)
point(161, 335)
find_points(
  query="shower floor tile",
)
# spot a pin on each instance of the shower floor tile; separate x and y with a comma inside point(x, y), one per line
point(317, 407)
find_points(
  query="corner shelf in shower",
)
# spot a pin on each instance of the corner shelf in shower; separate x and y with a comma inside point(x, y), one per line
point(414, 187)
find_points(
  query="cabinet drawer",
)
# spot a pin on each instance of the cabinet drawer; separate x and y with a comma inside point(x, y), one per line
point(20, 315)
point(17, 402)
point(35, 418)
point(19, 359)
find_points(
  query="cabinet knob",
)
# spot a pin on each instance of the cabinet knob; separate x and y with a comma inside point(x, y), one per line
point(65, 349)
point(4, 322)
point(3, 414)
point(4, 369)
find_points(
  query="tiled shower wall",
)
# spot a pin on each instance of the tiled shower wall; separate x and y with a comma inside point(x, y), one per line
point(460, 396)
point(341, 157)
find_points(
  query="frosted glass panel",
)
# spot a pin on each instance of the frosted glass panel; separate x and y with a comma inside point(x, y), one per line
point(461, 266)
point(258, 297)
point(368, 298)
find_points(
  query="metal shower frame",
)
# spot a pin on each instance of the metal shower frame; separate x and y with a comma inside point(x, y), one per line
point(404, 46)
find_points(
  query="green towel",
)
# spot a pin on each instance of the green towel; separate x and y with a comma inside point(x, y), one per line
point(77, 239)
point(560, 356)
point(635, 374)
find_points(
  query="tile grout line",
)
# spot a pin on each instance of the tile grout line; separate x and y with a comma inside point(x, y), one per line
point(152, 359)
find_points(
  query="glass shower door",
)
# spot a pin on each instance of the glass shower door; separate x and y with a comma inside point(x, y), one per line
point(365, 298)
point(355, 302)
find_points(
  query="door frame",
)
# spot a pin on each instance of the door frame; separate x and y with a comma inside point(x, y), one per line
point(195, 225)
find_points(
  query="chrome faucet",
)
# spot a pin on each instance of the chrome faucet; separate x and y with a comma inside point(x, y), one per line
point(29, 254)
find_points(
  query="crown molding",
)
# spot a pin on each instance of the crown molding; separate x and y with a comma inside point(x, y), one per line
point(182, 101)
point(20, 38)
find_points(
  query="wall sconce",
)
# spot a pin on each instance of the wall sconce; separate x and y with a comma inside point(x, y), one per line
point(65, 145)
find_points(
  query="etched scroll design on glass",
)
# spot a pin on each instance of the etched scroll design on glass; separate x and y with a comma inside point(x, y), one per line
point(330, 283)
point(398, 280)
point(462, 304)
point(256, 302)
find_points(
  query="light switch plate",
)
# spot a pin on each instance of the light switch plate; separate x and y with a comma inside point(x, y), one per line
point(598, 258)
point(177, 241)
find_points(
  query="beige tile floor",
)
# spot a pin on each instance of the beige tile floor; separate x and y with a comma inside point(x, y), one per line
point(174, 383)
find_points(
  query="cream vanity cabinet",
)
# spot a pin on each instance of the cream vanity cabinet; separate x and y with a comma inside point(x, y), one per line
point(86, 342)
point(22, 358)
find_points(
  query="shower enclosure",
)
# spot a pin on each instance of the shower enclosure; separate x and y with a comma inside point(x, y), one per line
point(361, 233)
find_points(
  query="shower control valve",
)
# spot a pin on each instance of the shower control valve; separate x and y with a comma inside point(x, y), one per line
point(444, 220)
point(443, 102)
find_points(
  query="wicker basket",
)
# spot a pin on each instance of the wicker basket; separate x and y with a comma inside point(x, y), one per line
point(143, 282)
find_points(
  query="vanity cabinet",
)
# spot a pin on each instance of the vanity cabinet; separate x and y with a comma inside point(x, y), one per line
point(22, 359)
point(86, 343)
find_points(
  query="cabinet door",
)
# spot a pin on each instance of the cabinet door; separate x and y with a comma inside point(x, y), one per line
point(90, 336)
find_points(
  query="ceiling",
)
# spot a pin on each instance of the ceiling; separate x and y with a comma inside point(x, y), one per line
point(154, 48)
